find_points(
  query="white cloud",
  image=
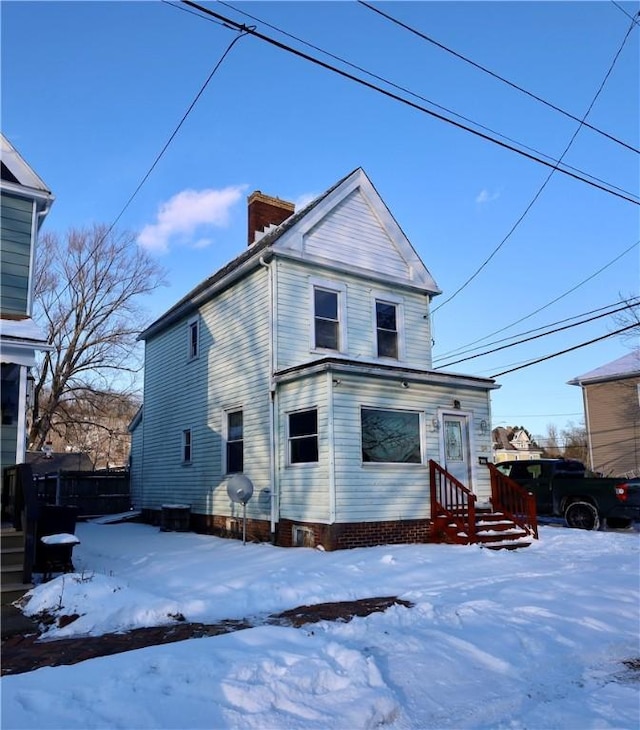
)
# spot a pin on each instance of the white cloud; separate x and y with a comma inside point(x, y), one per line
point(187, 211)
point(303, 200)
point(486, 197)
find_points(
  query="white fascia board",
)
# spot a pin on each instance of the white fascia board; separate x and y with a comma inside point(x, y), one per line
point(426, 377)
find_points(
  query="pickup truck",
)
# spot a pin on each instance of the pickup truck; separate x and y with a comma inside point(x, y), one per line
point(563, 489)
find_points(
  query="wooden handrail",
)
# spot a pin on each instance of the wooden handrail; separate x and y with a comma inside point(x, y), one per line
point(451, 499)
point(513, 500)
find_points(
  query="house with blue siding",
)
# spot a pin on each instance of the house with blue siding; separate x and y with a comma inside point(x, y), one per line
point(305, 364)
point(24, 203)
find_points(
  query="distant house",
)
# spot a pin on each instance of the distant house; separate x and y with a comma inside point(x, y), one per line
point(305, 364)
point(611, 396)
point(43, 463)
point(24, 202)
point(514, 444)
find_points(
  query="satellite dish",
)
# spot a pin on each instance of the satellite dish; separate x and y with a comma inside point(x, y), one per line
point(240, 488)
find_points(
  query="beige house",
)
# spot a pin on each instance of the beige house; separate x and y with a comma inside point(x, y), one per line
point(513, 444)
point(611, 395)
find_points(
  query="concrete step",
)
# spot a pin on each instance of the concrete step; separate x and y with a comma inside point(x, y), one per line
point(12, 556)
point(10, 574)
point(10, 538)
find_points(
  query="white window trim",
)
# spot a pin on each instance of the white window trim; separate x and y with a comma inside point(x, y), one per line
point(190, 323)
point(225, 434)
point(183, 440)
point(341, 290)
point(388, 298)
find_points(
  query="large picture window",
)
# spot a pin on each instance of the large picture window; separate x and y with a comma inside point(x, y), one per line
point(390, 436)
point(387, 329)
point(326, 319)
point(303, 437)
point(235, 443)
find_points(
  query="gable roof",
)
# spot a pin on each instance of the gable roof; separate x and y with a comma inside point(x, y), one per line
point(294, 238)
point(17, 173)
point(626, 366)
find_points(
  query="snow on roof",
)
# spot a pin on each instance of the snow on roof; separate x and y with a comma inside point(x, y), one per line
point(624, 367)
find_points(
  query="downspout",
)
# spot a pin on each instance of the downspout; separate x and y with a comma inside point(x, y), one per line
point(332, 450)
point(272, 405)
point(587, 420)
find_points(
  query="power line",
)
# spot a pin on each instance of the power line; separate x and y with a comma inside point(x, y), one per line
point(495, 75)
point(463, 286)
point(621, 9)
point(153, 165)
point(553, 301)
point(462, 351)
point(393, 85)
point(407, 102)
point(534, 337)
point(565, 351)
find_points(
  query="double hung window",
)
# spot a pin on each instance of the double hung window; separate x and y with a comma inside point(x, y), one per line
point(194, 338)
point(235, 442)
point(186, 446)
point(387, 329)
point(326, 319)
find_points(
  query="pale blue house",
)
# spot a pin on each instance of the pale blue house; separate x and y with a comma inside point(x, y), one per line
point(305, 364)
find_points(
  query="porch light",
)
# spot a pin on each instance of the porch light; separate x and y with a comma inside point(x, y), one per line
point(484, 426)
point(435, 424)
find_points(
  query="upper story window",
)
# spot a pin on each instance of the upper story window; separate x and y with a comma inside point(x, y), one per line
point(303, 437)
point(387, 329)
point(329, 331)
point(327, 323)
point(194, 338)
point(388, 325)
point(235, 442)
point(186, 446)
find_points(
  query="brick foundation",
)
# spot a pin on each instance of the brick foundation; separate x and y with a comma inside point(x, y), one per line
point(330, 537)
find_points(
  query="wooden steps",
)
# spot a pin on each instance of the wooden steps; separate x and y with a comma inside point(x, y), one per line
point(12, 586)
point(493, 530)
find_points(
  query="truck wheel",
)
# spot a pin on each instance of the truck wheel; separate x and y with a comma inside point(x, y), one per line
point(582, 515)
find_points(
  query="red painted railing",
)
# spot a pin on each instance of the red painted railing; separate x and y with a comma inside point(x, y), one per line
point(451, 500)
point(515, 501)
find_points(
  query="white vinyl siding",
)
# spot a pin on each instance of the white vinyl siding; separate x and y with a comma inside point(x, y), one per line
point(304, 488)
point(382, 491)
point(294, 314)
point(353, 236)
point(232, 368)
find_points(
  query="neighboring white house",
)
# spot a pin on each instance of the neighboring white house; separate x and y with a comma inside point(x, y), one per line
point(24, 202)
point(305, 364)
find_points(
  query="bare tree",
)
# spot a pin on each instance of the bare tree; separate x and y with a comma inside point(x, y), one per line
point(551, 441)
point(87, 293)
point(576, 445)
point(627, 317)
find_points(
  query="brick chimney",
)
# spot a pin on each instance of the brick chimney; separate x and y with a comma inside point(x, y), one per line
point(265, 211)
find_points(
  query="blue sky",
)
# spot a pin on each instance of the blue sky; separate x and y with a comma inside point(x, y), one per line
point(91, 92)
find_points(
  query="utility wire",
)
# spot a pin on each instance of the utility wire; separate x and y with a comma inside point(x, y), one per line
point(553, 301)
point(534, 337)
point(564, 352)
point(393, 85)
point(407, 102)
point(495, 75)
point(463, 286)
point(462, 351)
point(621, 9)
point(150, 170)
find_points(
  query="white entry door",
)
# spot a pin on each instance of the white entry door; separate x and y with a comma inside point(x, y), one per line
point(456, 447)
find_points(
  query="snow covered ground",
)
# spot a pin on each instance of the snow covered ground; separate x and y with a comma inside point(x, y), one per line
point(535, 639)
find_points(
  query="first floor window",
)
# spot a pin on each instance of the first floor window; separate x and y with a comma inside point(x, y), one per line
point(387, 329)
point(186, 445)
point(303, 437)
point(390, 436)
point(235, 443)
